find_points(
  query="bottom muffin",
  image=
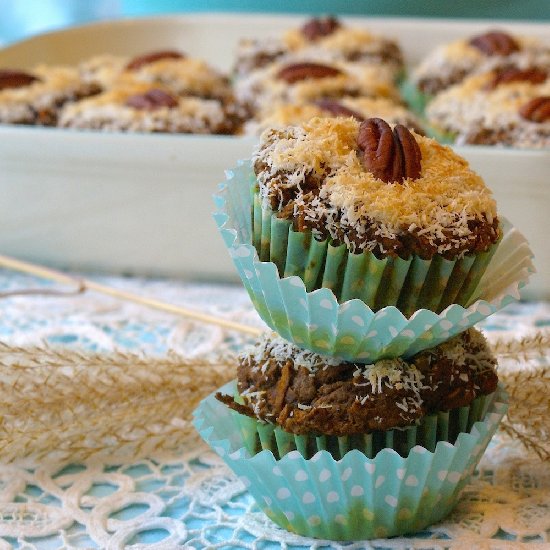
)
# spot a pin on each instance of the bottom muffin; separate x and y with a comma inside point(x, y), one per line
point(300, 398)
point(348, 451)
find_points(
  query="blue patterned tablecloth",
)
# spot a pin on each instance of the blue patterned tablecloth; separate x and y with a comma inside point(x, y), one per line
point(190, 499)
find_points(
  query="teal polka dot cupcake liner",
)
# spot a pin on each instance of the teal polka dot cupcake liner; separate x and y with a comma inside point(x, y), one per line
point(353, 497)
point(349, 328)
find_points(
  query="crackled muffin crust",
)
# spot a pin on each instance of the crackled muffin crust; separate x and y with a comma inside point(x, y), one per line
point(39, 102)
point(314, 175)
point(325, 39)
point(487, 110)
point(131, 108)
point(306, 393)
point(451, 63)
point(360, 108)
point(267, 87)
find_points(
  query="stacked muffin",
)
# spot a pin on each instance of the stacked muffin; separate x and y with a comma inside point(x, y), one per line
point(392, 219)
point(321, 69)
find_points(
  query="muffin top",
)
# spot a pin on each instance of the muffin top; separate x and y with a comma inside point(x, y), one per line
point(490, 107)
point(306, 393)
point(359, 108)
point(450, 63)
point(375, 188)
point(324, 38)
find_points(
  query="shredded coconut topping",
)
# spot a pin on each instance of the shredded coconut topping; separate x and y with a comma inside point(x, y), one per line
point(440, 205)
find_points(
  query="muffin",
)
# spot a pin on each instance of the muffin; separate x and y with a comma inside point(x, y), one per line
point(144, 107)
point(334, 471)
point(359, 108)
point(371, 212)
point(324, 38)
point(503, 106)
point(450, 63)
point(312, 395)
point(36, 97)
point(181, 74)
point(301, 80)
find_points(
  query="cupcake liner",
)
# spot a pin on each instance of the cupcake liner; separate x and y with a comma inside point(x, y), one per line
point(442, 426)
point(356, 497)
point(352, 330)
point(410, 285)
point(414, 97)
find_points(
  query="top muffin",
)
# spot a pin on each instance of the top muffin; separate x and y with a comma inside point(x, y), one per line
point(389, 191)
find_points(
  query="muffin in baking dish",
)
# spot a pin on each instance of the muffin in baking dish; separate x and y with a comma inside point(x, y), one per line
point(508, 105)
point(451, 63)
point(359, 108)
point(324, 38)
point(312, 395)
point(301, 81)
point(182, 74)
point(143, 107)
point(372, 212)
point(35, 97)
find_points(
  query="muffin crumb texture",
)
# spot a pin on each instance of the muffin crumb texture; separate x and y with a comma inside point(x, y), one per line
point(306, 393)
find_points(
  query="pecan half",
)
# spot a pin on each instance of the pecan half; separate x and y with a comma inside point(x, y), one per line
point(320, 26)
point(391, 156)
point(536, 110)
point(151, 100)
point(495, 43)
point(513, 74)
point(302, 71)
point(15, 79)
point(337, 109)
point(142, 60)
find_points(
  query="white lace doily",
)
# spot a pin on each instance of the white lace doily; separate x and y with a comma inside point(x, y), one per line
point(190, 499)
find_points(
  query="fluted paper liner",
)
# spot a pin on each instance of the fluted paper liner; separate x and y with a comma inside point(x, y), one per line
point(351, 329)
point(356, 497)
point(409, 285)
point(441, 426)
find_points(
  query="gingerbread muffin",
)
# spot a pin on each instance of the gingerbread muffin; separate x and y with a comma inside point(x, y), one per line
point(303, 81)
point(313, 395)
point(370, 208)
point(36, 97)
point(507, 105)
point(143, 107)
point(450, 63)
point(324, 38)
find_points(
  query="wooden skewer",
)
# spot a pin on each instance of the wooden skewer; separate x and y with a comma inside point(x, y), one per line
point(86, 284)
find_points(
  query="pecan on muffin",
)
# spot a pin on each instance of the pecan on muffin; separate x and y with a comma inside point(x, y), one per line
point(36, 97)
